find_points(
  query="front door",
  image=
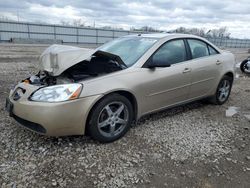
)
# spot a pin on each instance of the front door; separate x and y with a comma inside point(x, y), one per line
point(169, 85)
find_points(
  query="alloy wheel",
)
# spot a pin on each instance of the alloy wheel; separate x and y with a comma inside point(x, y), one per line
point(112, 119)
point(224, 90)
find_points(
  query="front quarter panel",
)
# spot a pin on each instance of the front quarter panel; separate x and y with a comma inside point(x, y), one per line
point(132, 80)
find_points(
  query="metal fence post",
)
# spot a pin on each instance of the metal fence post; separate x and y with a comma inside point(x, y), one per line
point(54, 32)
point(77, 36)
point(96, 37)
point(28, 26)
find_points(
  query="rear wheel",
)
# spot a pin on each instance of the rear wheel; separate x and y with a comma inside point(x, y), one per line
point(223, 91)
point(111, 118)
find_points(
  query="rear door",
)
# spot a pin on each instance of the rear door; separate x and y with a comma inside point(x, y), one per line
point(205, 65)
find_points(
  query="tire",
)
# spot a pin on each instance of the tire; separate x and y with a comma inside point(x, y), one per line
point(106, 124)
point(242, 65)
point(218, 98)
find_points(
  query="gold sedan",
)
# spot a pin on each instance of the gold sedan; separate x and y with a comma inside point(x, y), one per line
point(101, 91)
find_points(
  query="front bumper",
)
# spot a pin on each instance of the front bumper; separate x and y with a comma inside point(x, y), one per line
point(53, 119)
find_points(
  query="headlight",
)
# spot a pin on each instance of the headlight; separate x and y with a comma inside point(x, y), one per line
point(57, 93)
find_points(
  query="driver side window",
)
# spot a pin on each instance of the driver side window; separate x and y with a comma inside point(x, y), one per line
point(170, 53)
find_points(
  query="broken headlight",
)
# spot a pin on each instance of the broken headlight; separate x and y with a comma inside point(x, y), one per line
point(57, 93)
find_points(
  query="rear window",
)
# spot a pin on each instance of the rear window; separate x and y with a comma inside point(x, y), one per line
point(198, 48)
point(212, 51)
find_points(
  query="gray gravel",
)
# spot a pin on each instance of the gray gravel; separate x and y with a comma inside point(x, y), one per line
point(194, 145)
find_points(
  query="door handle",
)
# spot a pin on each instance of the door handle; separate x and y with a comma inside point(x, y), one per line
point(186, 70)
point(218, 62)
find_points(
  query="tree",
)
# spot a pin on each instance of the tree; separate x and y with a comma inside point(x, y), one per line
point(145, 29)
point(75, 22)
point(219, 33)
point(214, 33)
point(65, 23)
point(5, 18)
point(78, 22)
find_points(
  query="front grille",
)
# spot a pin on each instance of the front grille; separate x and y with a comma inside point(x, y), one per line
point(31, 125)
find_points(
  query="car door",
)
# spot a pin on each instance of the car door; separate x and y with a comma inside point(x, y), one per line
point(167, 84)
point(205, 65)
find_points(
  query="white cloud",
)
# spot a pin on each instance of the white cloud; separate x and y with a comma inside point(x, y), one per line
point(54, 14)
point(161, 14)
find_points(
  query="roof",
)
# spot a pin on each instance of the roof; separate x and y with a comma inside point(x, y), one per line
point(162, 35)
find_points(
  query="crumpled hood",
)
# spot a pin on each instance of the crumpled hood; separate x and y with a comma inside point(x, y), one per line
point(57, 58)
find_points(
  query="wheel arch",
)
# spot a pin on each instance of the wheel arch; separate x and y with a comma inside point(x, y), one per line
point(129, 95)
point(230, 74)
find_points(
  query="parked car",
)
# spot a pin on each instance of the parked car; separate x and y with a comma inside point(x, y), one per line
point(245, 65)
point(100, 92)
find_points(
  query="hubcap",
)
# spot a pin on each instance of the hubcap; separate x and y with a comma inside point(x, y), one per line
point(113, 119)
point(224, 90)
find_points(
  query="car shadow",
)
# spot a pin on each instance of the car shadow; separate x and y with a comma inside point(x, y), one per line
point(172, 111)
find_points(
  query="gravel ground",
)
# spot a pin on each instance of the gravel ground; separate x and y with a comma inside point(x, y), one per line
point(189, 146)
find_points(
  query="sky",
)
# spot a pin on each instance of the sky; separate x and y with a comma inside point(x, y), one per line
point(160, 14)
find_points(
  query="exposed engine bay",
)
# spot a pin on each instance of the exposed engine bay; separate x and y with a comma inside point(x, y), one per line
point(100, 63)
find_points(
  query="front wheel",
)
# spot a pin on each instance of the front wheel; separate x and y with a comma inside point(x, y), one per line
point(111, 118)
point(223, 91)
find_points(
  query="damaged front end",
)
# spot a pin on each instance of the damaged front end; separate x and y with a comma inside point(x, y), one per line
point(65, 64)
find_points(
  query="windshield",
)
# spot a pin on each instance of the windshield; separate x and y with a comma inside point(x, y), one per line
point(129, 49)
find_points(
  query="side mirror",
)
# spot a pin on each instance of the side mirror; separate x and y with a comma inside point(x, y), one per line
point(155, 61)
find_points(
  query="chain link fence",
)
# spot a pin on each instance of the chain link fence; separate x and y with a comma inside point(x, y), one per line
point(21, 32)
point(31, 33)
point(230, 43)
